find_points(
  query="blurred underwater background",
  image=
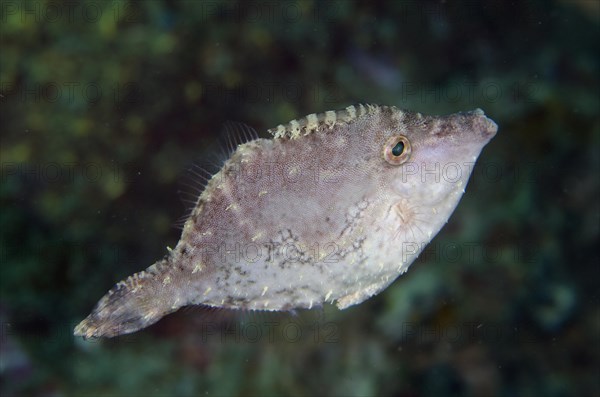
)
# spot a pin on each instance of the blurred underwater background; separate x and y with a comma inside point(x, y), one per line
point(106, 104)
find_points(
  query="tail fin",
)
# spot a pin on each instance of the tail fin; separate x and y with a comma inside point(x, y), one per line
point(132, 304)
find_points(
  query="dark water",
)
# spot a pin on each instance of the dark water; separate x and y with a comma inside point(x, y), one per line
point(105, 104)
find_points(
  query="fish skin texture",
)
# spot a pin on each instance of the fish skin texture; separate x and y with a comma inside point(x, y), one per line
point(332, 209)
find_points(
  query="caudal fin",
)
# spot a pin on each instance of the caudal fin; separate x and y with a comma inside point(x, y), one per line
point(132, 304)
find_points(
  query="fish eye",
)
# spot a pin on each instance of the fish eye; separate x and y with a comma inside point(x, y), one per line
point(397, 150)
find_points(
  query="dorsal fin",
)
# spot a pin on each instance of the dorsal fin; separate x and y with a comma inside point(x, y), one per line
point(235, 134)
point(321, 121)
point(192, 184)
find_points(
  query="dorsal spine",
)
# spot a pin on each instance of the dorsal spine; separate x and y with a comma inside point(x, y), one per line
point(326, 120)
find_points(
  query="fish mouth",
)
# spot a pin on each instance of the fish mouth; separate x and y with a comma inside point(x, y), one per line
point(482, 124)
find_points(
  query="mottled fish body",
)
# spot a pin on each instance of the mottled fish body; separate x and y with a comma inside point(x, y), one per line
point(331, 210)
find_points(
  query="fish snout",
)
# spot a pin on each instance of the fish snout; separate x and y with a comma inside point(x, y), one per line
point(483, 125)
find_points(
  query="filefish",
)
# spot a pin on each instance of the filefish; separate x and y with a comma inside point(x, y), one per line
point(332, 209)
